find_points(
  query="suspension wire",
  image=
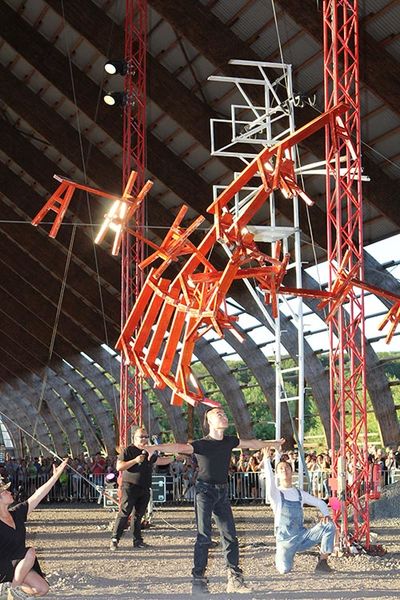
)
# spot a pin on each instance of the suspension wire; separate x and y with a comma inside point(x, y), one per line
point(85, 161)
point(313, 245)
point(93, 225)
point(55, 328)
point(99, 489)
point(73, 234)
point(66, 269)
point(293, 425)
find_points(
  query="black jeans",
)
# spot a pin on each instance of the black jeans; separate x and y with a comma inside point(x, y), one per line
point(132, 497)
point(211, 500)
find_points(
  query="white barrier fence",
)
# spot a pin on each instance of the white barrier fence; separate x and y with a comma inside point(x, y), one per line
point(167, 488)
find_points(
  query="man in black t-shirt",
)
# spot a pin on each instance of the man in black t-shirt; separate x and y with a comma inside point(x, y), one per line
point(213, 453)
point(136, 470)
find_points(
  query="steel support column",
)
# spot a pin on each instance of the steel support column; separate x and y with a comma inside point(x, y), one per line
point(345, 254)
point(134, 158)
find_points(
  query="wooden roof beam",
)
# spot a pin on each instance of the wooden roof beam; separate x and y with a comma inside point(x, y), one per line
point(219, 44)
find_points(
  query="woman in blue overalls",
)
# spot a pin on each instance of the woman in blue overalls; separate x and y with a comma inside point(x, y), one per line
point(291, 535)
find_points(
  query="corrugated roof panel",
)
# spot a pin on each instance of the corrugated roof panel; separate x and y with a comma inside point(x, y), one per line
point(160, 39)
point(28, 10)
point(368, 102)
point(370, 6)
point(114, 9)
point(285, 29)
point(153, 111)
point(303, 48)
point(214, 171)
point(381, 121)
point(385, 25)
point(195, 158)
point(225, 9)
point(266, 43)
point(392, 169)
point(388, 146)
point(202, 69)
point(21, 68)
point(222, 95)
point(49, 26)
point(166, 127)
point(309, 77)
point(379, 229)
point(250, 21)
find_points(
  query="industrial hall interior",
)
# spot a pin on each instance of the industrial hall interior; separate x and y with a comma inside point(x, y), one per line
point(199, 208)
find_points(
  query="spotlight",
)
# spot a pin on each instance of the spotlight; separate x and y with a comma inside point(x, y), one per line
point(117, 99)
point(116, 66)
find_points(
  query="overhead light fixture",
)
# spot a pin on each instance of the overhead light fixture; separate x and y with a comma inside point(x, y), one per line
point(113, 67)
point(117, 99)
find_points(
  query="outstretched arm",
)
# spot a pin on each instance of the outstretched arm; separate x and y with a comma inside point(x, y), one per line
point(259, 444)
point(270, 485)
point(171, 448)
point(44, 489)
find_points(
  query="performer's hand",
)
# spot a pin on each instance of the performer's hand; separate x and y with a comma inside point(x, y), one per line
point(57, 470)
point(273, 445)
point(325, 520)
point(139, 459)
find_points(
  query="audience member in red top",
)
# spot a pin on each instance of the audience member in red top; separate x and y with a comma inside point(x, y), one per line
point(99, 465)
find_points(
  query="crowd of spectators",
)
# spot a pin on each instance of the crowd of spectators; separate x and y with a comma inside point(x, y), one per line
point(25, 474)
point(318, 467)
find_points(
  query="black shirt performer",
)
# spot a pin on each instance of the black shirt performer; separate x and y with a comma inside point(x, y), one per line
point(20, 574)
point(213, 454)
point(136, 467)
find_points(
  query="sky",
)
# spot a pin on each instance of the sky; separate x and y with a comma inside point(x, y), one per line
point(383, 252)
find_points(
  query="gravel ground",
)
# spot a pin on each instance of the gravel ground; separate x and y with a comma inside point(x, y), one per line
point(72, 542)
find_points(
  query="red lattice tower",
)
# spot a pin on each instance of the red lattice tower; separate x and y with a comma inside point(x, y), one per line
point(345, 254)
point(134, 157)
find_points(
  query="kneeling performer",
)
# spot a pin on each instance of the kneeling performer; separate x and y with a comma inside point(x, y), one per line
point(291, 536)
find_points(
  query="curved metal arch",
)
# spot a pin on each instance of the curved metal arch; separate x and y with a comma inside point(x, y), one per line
point(21, 394)
point(98, 411)
point(264, 374)
point(174, 414)
point(26, 416)
point(79, 416)
point(15, 438)
point(376, 379)
point(108, 387)
point(315, 374)
point(59, 413)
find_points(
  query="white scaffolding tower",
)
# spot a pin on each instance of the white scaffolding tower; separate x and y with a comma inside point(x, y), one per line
point(252, 126)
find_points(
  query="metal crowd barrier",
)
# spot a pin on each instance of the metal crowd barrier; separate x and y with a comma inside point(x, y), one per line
point(169, 489)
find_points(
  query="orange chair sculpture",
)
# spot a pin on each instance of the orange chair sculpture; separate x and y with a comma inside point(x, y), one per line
point(171, 314)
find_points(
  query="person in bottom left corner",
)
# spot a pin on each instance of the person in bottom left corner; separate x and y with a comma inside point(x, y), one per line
point(20, 574)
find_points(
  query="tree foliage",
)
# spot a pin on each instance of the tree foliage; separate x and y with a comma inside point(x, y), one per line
point(261, 417)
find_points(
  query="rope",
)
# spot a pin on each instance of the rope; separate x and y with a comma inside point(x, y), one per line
point(99, 489)
point(55, 328)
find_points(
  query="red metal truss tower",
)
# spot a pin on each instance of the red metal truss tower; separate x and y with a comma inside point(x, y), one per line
point(345, 254)
point(134, 158)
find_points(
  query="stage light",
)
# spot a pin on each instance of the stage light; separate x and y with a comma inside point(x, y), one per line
point(113, 67)
point(117, 99)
